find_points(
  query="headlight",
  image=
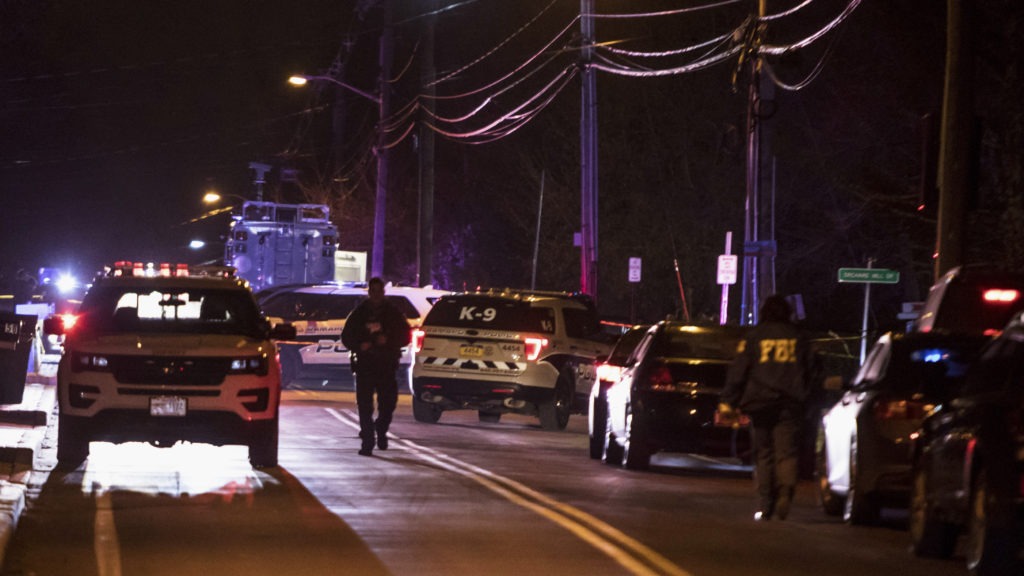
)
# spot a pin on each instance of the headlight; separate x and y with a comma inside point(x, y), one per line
point(89, 362)
point(248, 365)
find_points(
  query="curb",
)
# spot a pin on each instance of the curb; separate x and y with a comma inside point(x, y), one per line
point(23, 428)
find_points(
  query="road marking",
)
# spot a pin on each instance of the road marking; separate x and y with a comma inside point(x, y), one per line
point(631, 554)
point(105, 543)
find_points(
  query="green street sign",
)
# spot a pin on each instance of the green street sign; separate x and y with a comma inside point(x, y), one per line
point(869, 275)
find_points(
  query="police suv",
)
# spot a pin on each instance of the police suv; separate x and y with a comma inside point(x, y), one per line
point(166, 355)
point(318, 314)
point(501, 351)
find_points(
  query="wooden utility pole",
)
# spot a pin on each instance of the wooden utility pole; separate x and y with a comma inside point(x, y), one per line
point(588, 156)
point(957, 134)
point(425, 229)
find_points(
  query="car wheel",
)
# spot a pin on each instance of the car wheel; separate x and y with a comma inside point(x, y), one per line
point(72, 442)
point(636, 453)
point(554, 414)
point(263, 444)
point(598, 426)
point(991, 547)
point(928, 536)
point(489, 417)
point(425, 411)
point(291, 365)
point(861, 507)
point(831, 503)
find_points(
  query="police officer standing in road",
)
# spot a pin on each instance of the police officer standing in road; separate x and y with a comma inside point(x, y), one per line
point(769, 381)
point(375, 333)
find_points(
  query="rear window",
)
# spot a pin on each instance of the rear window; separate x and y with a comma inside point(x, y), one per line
point(491, 314)
point(303, 306)
point(977, 309)
point(937, 370)
point(685, 342)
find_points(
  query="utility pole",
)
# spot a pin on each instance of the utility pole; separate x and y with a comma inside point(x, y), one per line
point(588, 156)
point(387, 46)
point(751, 270)
point(957, 127)
point(425, 228)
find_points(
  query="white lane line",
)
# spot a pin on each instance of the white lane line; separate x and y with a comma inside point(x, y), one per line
point(621, 548)
point(105, 543)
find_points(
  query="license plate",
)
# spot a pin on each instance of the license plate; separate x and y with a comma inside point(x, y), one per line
point(168, 406)
point(471, 351)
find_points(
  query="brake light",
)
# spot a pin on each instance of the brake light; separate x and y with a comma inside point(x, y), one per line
point(534, 346)
point(901, 410)
point(1001, 296)
point(69, 321)
point(417, 340)
point(608, 372)
point(660, 379)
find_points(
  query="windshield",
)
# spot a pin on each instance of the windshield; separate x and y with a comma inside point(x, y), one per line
point(304, 306)
point(167, 309)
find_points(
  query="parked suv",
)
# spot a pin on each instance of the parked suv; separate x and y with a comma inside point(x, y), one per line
point(497, 352)
point(318, 313)
point(166, 357)
point(972, 300)
point(969, 465)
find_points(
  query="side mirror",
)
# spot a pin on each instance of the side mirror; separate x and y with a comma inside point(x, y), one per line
point(283, 331)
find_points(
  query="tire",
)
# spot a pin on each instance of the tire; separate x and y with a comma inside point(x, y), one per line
point(489, 417)
point(554, 414)
point(831, 503)
point(291, 366)
point(991, 548)
point(636, 453)
point(599, 427)
point(928, 536)
point(861, 508)
point(425, 412)
point(72, 442)
point(263, 444)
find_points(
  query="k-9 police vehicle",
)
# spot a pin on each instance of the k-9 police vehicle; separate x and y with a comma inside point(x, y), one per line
point(497, 352)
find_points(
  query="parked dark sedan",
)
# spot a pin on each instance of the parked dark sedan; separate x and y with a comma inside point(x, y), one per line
point(864, 448)
point(969, 469)
point(609, 370)
point(668, 394)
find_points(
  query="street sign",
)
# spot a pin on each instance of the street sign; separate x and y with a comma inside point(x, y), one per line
point(869, 275)
point(727, 264)
point(634, 269)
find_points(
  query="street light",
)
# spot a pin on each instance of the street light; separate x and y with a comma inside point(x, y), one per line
point(380, 150)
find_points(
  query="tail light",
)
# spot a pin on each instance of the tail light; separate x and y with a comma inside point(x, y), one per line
point(659, 378)
point(534, 346)
point(608, 372)
point(69, 321)
point(417, 340)
point(894, 409)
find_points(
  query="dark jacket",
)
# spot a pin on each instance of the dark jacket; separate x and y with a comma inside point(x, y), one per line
point(773, 369)
point(364, 324)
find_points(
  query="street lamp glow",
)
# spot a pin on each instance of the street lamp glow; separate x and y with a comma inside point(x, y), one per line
point(211, 197)
point(298, 80)
point(196, 244)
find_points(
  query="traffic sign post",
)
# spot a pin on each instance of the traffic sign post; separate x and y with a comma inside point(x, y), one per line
point(867, 277)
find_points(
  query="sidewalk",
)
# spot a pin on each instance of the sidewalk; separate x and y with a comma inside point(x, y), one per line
point(22, 429)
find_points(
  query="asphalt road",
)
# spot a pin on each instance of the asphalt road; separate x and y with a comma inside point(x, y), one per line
point(458, 497)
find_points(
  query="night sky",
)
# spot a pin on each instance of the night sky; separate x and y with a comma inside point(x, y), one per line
point(116, 116)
